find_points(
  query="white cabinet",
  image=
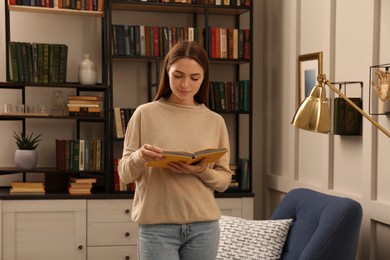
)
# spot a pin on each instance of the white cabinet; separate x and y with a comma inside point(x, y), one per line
point(44, 229)
point(96, 229)
point(111, 233)
point(236, 207)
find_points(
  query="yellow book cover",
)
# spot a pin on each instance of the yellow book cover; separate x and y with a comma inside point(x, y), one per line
point(17, 184)
point(82, 180)
point(211, 155)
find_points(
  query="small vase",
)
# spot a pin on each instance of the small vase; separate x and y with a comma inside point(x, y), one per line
point(87, 71)
point(26, 159)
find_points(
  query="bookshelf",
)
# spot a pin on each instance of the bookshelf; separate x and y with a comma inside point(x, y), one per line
point(134, 76)
point(33, 92)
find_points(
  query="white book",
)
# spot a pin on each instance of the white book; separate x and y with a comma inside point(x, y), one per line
point(191, 34)
point(223, 43)
point(118, 123)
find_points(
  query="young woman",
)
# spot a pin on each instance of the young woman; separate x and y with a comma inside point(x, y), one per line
point(175, 207)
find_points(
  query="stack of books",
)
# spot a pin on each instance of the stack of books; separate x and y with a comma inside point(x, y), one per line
point(81, 186)
point(234, 182)
point(85, 105)
point(27, 188)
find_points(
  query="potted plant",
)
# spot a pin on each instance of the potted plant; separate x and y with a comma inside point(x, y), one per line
point(26, 157)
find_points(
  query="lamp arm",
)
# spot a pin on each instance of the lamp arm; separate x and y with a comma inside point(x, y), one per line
point(357, 108)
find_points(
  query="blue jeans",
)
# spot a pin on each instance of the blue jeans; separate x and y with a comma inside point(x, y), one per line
point(197, 241)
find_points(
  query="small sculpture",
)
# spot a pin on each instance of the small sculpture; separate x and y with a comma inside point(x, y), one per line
point(382, 85)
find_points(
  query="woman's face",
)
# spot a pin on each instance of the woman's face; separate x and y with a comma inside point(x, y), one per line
point(185, 78)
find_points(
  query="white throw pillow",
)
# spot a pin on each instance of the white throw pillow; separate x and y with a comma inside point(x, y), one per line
point(251, 239)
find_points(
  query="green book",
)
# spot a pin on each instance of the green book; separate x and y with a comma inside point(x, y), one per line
point(23, 47)
point(76, 154)
point(14, 74)
point(40, 62)
point(46, 63)
point(347, 120)
point(56, 63)
point(19, 59)
point(62, 63)
point(29, 62)
point(34, 54)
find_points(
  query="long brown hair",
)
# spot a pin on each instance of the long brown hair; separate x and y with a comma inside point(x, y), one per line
point(190, 50)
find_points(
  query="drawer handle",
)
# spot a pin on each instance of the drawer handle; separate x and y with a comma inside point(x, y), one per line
point(127, 234)
point(80, 247)
point(127, 211)
point(127, 257)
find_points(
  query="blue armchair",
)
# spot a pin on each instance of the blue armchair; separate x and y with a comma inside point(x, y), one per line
point(324, 226)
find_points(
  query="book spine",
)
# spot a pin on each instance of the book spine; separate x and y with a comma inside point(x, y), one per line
point(19, 59)
point(34, 50)
point(14, 73)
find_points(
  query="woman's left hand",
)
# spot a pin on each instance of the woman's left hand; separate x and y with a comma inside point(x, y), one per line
point(181, 167)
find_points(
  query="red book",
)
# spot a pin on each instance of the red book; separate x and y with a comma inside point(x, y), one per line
point(156, 41)
point(247, 54)
point(61, 154)
point(213, 42)
point(116, 176)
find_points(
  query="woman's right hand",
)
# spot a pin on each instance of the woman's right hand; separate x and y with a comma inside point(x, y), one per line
point(149, 152)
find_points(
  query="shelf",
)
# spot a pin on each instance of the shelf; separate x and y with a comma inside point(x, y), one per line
point(13, 170)
point(21, 116)
point(45, 10)
point(21, 85)
point(178, 8)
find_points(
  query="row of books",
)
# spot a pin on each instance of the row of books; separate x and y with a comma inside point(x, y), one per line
point(119, 185)
point(80, 154)
point(152, 41)
point(38, 62)
point(88, 5)
point(80, 186)
point(240, 175)
point(229, 96)
point(226, 43)
point(85, 105)
point(122, 117)
point(207, 2)
point(18, 187)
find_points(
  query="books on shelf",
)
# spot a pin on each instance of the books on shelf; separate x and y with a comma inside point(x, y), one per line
point(152, 41)
point(84, 5)
point(27, 187)
point(229, 43)
point(243, 173)
point(122, 117)
point(80, 155)
point(80, 186)
point(211, 155)
point(85, 105)
point(119, 185)
point(38, 62)
point(230, 96)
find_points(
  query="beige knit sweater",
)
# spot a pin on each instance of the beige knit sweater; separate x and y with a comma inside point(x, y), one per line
point(162, 196)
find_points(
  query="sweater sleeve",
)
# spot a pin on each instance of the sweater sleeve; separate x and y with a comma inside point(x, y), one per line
point(218, 176)
point(130, 166)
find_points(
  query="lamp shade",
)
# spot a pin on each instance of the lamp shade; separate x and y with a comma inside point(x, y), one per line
point(314, 113)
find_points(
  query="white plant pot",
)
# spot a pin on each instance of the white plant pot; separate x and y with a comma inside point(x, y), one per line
point(26, 159)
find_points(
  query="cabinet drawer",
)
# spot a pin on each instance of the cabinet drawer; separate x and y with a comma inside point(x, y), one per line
point(109, 210)
point(112, 253)
point(107, 234)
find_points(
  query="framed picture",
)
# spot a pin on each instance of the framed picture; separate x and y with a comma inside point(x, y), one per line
point(309, 66)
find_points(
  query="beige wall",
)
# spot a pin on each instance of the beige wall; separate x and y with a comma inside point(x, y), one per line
point(353, 35)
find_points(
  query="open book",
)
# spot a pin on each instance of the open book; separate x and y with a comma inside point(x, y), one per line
point(211, 155)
